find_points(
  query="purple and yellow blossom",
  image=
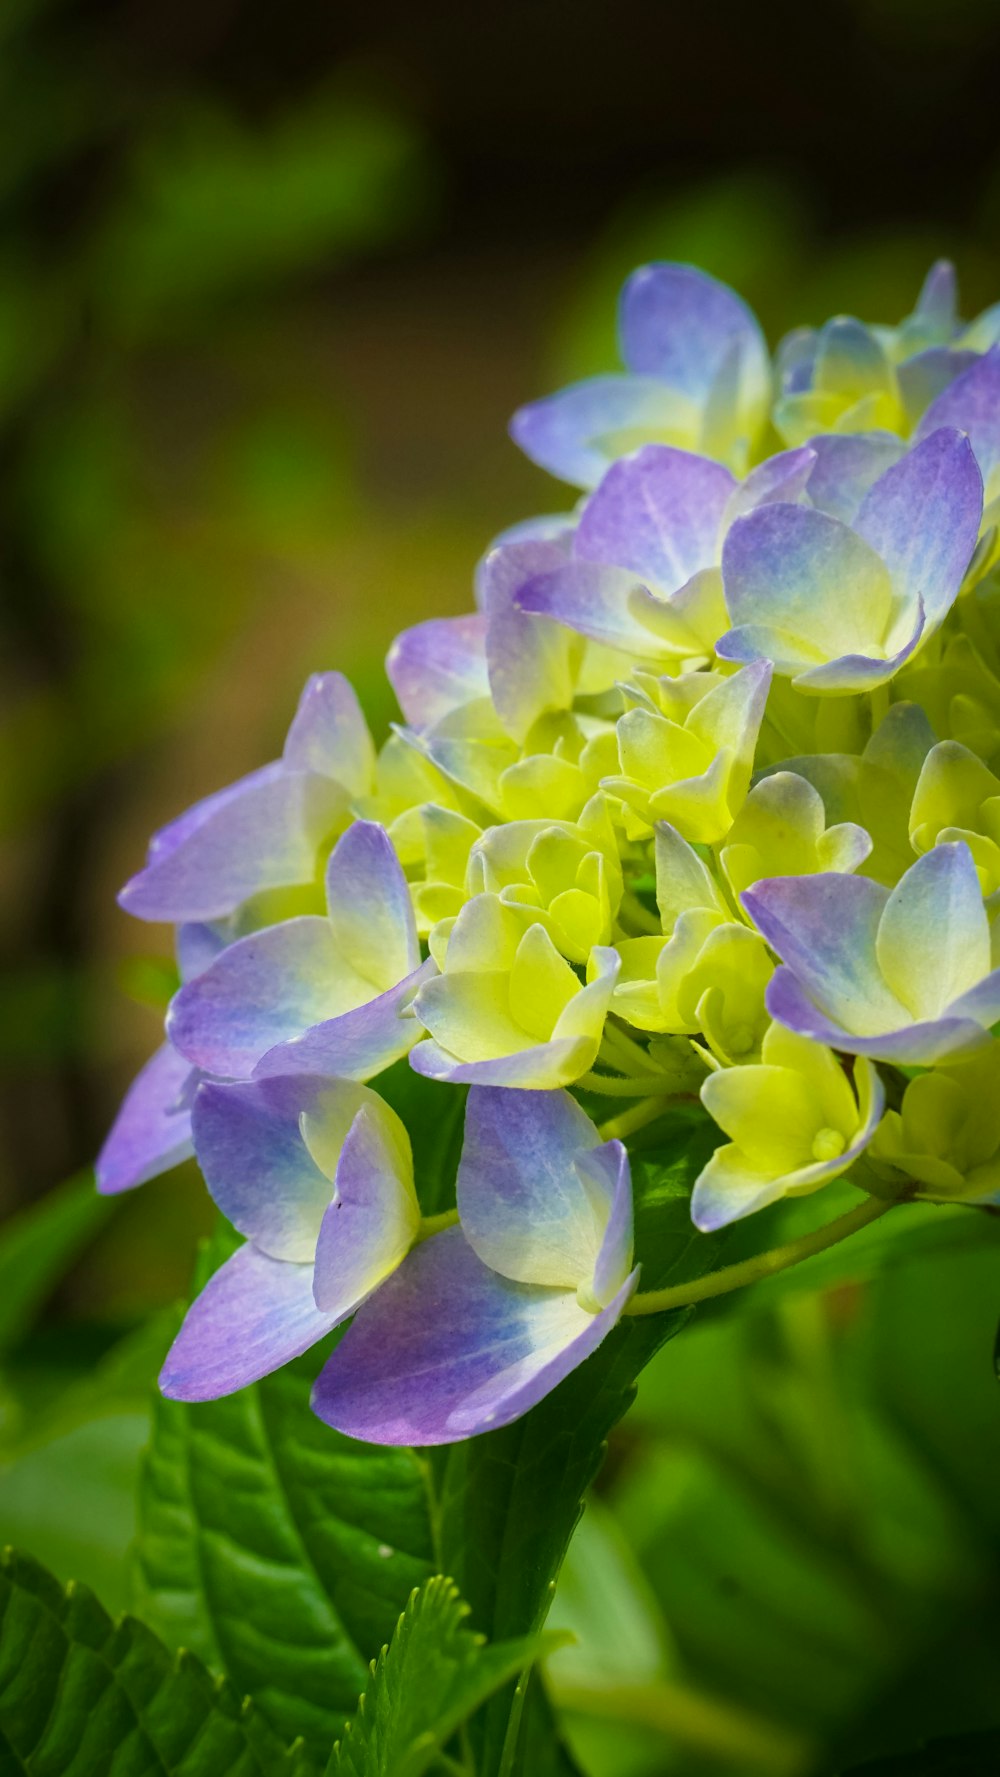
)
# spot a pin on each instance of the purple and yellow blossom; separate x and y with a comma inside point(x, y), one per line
point(643, 574)
point(314, 995)
point(264, 832)
point(839, 608)
point(318, 1175)
point(847, 376)
point(634, 704)
point(697, 376)
point(904, 976)
point(481, 1322)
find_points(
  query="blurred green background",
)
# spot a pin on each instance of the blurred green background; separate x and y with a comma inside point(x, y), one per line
point(271, 282)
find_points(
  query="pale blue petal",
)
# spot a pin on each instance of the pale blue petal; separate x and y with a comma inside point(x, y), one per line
point(437, 666)
point(922, 517)
point(329, 734)
point(568, 433)
point(657, 513)
point(447, 1348)
point(677, 323)
point(256, 1165)
point(261, 833)
point(262, 990)
point(523, 1205)
point(152, 1131)
point(357, 1045)
point(252, 1317)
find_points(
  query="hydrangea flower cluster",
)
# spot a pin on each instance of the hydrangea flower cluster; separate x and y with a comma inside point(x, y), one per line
point(702, 801)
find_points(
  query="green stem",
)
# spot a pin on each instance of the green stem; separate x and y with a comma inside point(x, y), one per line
point(780, 1258)
point(621, 1043)
point(646, 1111)
point(430, 1225)
point(639, 1086)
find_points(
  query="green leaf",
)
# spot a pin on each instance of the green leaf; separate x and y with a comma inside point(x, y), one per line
point(510, 1500)
point(80, 1694)
point(424, 1686)
point(37, 1246)
point(278, 1550)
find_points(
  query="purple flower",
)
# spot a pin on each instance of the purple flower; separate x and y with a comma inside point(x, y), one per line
point(318, 1175)
point(902, 976)
point(698, 376)
point(482, 1321)
point(264, 831)
point(839, 608)
point(315, 995)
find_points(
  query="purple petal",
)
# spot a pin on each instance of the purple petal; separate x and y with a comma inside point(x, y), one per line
point(536, 1069)
point(903, 1044)
point(934, 938)
point(152, 1131)
point(531, 665)
point(594, 601)
point(261, 833)
point(825, 928)
point(606, 1172)
point(447, 1348)
point(922, 517)
point(981, 1002)
point(847, 464)
point(972, 403)
point(792, 570)
point(571, 433)
point(525, 1209)
point(555, 528)
point(795, 360)
point(374, 1218)
point(657, 513)
point(357, 1045)
point(860, 672)
point(329, 735)
point(371, 908)
point(437, 666)
point(264, 989)
point(197, 945)
point(781, 477)
point(677, 323)
point(254, 1315)
point(256, 1165)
